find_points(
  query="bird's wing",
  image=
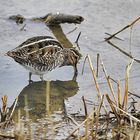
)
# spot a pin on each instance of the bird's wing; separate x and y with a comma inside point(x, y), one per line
point(35, 44)
point(50, 57)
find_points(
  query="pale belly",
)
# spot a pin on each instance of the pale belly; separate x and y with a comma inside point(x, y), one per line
point(34, 71)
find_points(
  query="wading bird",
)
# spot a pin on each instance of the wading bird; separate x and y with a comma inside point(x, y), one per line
point(42, 54)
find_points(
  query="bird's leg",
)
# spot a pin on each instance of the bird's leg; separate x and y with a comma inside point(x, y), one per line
point(30, 76)
point(41, 77)
point(75, 72)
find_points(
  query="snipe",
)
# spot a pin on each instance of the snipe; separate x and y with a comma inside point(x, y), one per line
point(42, 54)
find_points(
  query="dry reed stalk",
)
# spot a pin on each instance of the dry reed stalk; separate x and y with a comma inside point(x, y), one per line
point(127, 26)
point(107, 124)
point(72, 30)
point(92, 124)
point(87, 122)
point(26, 106)
point(121, 50)
point(13, 109)
point(84, 65)
point(85, 107)
point(48, 97)
point(130, 42)
point(19, 132)
point(4, 100)
point(48, 111)
point(87, 129)
point(20, 129)
point(94, 76)
point(85, 137)
point(76, 42)
point(128, 91)
point(125, 99)
point(98, 113)
point(108, 81)
point(112, 107)
point(73, 120)
point(132, 117)
point(119, 95)
point(11, 114)
point(114, 36)
point(134, 94)
point(6, 136)
point(16, 100)
point(89, 117)
point(23, 28)
point(78, 127)
point(95, 80)
point(131, 123)
point(97, 71)
point(4, 103)
point(113, 80)
point(3, 110)
point(27, 118)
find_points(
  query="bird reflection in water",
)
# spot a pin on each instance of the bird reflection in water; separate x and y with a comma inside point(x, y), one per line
point(39, 98)
point(43, 97)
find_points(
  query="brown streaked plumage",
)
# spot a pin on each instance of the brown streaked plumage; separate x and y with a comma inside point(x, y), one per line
point(42, 54)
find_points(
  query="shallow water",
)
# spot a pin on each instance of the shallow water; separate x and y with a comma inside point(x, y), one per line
point(100, 17)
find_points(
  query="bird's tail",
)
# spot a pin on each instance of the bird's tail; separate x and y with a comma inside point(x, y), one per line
point(9, 54)
point(3, 54)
